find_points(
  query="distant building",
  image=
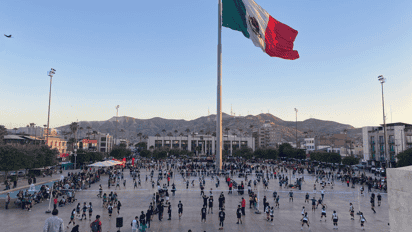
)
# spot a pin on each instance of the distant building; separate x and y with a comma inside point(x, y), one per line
point(398, 139)
point(266, 135)
point(88, 144)
point(206, 143)
point(104, 142)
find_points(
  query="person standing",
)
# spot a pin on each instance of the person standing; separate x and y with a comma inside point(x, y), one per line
point(169, 211)
point(72, 218)
point(313, 204)
point(135, 224)
point(335, 220)
point(322, 193)
point(305, 220)
point(90, 211)
point(96, 225)
point(373, 204)
point(362, 221)
point(221, 218)
point(243, 206)
point(110, 210)
point(54, 223)
point(221, 201)
point(84, 210)
point(379, 199)
point(148, 217)
point(239, 215)
point(290, 196)
point(203, 213)
point(307, 198)
point(351, 211)
point(210, 205)
point(7, 200)
point(180, 209)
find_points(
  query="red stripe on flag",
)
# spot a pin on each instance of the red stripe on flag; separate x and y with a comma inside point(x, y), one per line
point(279, 40)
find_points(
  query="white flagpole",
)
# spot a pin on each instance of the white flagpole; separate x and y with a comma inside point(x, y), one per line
point(219, 93)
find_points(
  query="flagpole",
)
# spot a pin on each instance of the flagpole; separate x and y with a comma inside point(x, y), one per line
point(219, 93)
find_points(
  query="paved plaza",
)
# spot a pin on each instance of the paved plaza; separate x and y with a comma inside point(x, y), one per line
point(287, 218)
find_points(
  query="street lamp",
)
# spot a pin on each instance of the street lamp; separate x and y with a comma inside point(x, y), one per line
point(50, 74)
point(382, 80)
point(296, 128)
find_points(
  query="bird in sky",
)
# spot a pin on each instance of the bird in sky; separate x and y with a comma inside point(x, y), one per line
point(8, 36)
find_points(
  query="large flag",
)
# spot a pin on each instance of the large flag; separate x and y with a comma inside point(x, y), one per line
point(273, 37)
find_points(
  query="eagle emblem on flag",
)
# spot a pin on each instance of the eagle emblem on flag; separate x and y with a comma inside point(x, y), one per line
point(254, 25)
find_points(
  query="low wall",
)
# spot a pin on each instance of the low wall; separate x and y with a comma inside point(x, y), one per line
point(400, 198)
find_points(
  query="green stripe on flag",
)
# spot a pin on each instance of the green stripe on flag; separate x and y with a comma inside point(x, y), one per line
point(234, 16)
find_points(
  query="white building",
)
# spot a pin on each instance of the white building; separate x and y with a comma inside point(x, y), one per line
point(104, 142)
point(309, 144)
point(398, 139)
point(206, 143)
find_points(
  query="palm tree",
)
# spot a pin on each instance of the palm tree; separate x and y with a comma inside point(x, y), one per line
point(201, 131)
point(140, 136)
point(94, 134)
point(15, 130)
point(88, 130)
point(74, 126)
point(164, 132)
point(187, 137)
point(80, 128)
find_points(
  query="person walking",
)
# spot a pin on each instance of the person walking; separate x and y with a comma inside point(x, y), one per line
point(373, 204)
point(379, 199)
point(322, 193)
point(72, 218)
point(84, 210)
point(54, 223)
point(307, 198)
point(291, 195)
point(210, 205)
point(323, 212)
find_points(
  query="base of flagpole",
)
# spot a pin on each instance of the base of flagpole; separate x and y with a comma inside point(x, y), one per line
point(48, 211)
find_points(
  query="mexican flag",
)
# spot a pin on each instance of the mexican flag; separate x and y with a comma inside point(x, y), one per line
point(273, 37)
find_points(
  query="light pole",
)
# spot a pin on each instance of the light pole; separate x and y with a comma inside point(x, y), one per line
point(115, 133)
point(382, 80)
point(50, 74)
point(296, 128)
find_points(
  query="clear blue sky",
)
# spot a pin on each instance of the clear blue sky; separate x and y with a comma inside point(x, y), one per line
point(158, 59)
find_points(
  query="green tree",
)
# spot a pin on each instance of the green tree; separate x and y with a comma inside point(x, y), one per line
point(334, 158)
point(146, 153)
point(120, 152)
point(350, 160)
point(3, 132)
point(283, 147)
point(245, 152)
point(404, 158)
point(160, 153)
point(271, 153)
point(11, 158)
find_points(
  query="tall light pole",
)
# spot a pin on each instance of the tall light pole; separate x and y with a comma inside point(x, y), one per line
point(50, 74)
point(115, 133)
point(382, 80)
point(296, 128)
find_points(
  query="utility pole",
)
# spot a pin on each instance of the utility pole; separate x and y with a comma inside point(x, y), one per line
point(382, 80)
point(50, 74)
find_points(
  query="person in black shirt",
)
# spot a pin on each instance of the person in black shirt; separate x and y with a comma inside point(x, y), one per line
point(221, 218)
point(210, 204)
point(142, 218)
point(148, 217)
point(205, 200)
point(169, 211)
point(221, 201)
point(203, 213)
point(379, 199)
point(239, 215)
point(180, 209)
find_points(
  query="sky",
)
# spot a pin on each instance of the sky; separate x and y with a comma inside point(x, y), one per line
point(159, 59)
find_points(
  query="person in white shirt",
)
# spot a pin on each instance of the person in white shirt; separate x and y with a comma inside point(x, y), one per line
point(335, 220)
point(135, 224)
point(54, 223)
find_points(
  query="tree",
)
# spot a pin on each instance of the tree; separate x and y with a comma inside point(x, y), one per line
point(160, 153)
point(3, 132)
point(404, 158)
point(350, 160)
point(282, 147)
point(120, 152)
point(145, 153)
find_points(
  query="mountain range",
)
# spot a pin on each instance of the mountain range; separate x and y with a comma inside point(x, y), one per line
point(285, 130)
